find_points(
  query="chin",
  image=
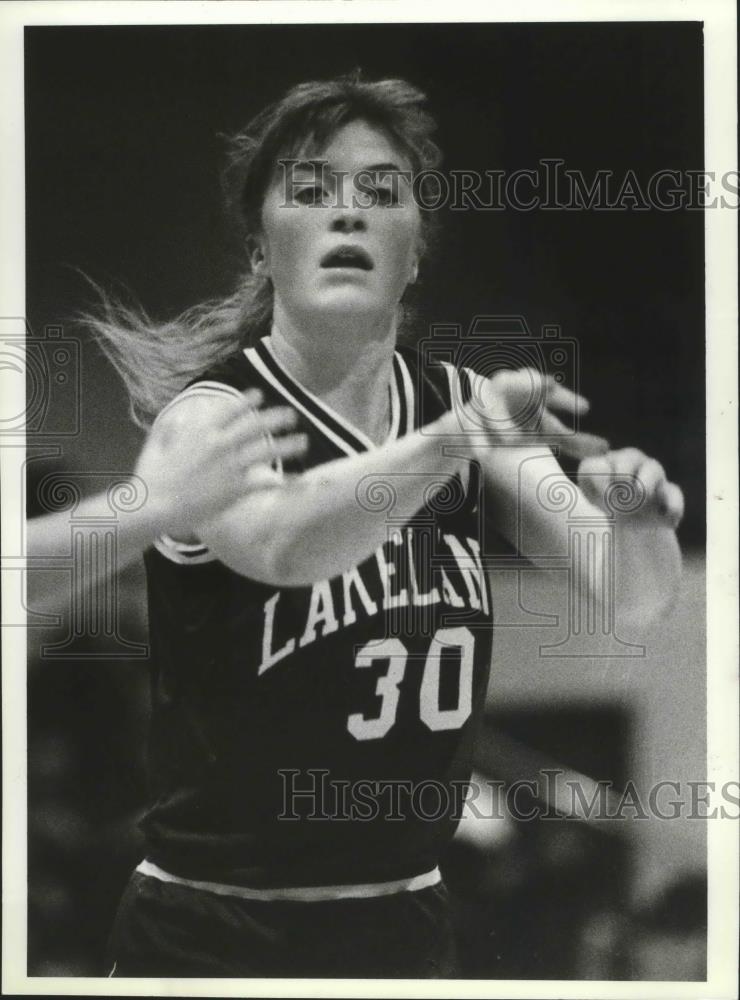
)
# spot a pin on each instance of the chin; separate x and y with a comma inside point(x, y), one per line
point(351, 304)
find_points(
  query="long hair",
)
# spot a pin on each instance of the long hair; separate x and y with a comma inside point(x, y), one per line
point(157, 359)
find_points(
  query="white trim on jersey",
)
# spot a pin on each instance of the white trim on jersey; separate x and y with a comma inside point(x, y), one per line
point(408, 389)
point(395, 402)
point(259, 365)
point(454, 381)
point(182, 553)
point(343, 434)
point(300, 894)
point(471, 376)
point(456, 399)
point(331, 413)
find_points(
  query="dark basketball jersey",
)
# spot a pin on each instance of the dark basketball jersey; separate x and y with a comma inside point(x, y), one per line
point(320, 735)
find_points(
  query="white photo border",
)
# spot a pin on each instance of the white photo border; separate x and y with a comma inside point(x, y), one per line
point(719, 19)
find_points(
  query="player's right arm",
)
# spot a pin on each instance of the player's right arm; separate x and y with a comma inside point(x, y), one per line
point(201, 452)
point(294, 530)
point(188, 471)
point(299, 529)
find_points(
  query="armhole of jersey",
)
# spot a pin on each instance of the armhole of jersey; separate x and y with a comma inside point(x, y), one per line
point(459, 392)
point(183, 553)
point(192, 553)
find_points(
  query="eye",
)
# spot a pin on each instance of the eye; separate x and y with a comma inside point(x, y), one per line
point(386, 196)
point(311, 195)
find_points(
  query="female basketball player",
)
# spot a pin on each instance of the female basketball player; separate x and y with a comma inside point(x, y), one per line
point(322, 649)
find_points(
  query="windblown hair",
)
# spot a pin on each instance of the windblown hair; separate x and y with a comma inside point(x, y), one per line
point(157, 359)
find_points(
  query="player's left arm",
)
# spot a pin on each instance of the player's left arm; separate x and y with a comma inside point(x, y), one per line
point(543, 514)
point(646, 508)
point(621, 503)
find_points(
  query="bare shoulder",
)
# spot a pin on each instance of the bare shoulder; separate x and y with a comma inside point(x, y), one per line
point(197, 410)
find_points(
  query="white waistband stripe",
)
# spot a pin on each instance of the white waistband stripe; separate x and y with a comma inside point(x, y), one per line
point(300, 894)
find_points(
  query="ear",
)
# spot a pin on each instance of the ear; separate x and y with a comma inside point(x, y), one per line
point(257, 257)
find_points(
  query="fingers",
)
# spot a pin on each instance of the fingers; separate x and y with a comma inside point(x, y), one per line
point(267, 450)
point(558, 397)
point(519, 403)
point(656, 494)
point(671, 502)
point(578, 444)
point(245, 438)
point(650, 474)
point(646, 474)
point(252, 425)
point(527, 388)
point(290, 446)
point(594, 475)
point(252, 399)
point(627, 461)
point(582, 445)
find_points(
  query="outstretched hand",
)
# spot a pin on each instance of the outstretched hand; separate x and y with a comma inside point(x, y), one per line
point(647, 491)
point(519, 407)
point(193, 473)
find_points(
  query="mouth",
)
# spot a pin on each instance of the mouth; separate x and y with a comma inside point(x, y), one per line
point(348, 257)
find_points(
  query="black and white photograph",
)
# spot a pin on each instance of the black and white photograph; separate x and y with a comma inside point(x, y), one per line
point(369, 468)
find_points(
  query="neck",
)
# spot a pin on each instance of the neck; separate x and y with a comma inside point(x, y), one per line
point(348, 368)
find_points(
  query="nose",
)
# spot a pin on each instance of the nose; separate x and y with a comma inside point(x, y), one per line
point(348, 220)
point(347, 216)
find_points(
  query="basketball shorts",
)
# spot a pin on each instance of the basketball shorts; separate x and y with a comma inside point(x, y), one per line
point(165, 929)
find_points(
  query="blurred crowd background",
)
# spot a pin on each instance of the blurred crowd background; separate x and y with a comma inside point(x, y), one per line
point(123, 157)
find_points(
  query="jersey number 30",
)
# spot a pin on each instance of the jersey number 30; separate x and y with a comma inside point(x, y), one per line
point(394, 652)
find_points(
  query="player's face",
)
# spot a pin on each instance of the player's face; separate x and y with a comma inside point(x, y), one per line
point(342, 240)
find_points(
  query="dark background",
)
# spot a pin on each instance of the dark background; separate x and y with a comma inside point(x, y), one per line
point(122, 182)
